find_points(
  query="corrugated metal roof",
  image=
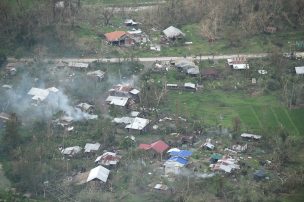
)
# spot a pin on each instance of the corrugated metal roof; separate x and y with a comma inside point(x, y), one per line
point(119, 101)
point(159, 146)
point(100, 173)
point(115, 36)
point(138, 124)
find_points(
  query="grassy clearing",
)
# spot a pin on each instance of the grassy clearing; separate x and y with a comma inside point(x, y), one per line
point(219, 107)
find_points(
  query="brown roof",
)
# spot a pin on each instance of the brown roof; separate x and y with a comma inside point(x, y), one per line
point(115, 36)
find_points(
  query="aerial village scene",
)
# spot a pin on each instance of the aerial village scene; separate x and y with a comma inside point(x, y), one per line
point(149, 100)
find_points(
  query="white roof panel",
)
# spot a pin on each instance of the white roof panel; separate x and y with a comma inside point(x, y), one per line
point(138, 123)
point(299, 70)
point(100, 173)
point(119, 101)
point(91, 147)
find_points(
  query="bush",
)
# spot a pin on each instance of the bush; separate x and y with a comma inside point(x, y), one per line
point(273, 85)
point(2, 59)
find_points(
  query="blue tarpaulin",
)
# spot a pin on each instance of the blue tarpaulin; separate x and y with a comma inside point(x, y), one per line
point(179, 160)
point(181, 153)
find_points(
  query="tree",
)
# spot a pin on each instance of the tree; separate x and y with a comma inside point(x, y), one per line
point(11, 138)
point(2, 59)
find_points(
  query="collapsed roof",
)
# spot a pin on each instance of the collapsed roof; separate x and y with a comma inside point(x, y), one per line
point(173, 32)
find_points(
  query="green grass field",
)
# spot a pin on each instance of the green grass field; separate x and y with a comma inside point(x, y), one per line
point(219, 107)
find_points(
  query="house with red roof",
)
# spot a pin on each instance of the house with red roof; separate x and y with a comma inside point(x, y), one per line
point(159, 147)
point(119, 38)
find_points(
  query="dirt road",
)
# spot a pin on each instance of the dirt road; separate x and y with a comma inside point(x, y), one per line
point(146, 59)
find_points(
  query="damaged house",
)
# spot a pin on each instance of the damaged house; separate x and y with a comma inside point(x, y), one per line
point(119, 38)
point(39, 94)
point(187, 66)
point(238, 63)
point(173, 33)
point(122, 95)
point(108, 159)
point(98, 75)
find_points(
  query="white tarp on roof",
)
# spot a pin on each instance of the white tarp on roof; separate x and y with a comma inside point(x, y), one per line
point(134, 113)
point(134, 91)
point(100, 173)
point(89, 147)
point(119, 101)
point(246, 135)
point(138, 124)
point(190, 85)
point(240, 66)
point(299, 70)
point(172, 32)
point(71, 150)
point(125, 120)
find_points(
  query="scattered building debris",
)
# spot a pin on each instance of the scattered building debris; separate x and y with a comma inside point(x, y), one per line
point(161, 187)
point(78, 65)
point(155, 47)
point(85, 107)
point(99, 173)
point(71, 151)
point(239, 148)
point(98, 74)
point(90, 147)
point(270, 29)
point(208, 144)
point(226, 164)
point(131, 22)
point(7, 86)
point(251, 136)
point(262, 71)
point(108, 158)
